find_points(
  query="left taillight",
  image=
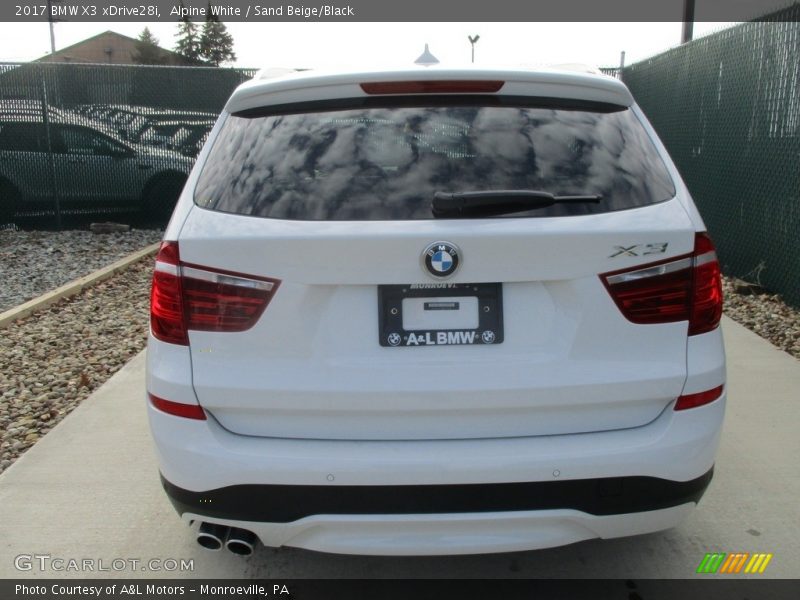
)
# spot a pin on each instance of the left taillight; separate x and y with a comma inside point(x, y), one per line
point(188, 297)
point(166, 303)
point(686, 288)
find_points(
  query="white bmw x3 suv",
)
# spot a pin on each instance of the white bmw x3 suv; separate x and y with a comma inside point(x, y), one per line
point(434, 311)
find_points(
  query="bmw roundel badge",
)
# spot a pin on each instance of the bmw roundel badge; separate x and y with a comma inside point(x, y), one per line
point(441, 259)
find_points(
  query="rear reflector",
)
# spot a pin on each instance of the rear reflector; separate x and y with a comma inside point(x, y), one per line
point(178, 409)
point(699, 399)
point(432, 87)
point(188, 297)
point(686, 288)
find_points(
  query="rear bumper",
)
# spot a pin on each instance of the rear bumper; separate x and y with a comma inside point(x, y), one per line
point(435, 520)
point(433, 498)
point(455, 533)
point(288, 503)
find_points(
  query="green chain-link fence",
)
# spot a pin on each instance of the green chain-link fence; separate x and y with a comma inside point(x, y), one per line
point(727, 107)
point(81, 138)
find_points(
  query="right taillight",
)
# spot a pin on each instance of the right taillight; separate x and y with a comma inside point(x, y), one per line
point(686, 288)
point(707, 288)
point(188, 297)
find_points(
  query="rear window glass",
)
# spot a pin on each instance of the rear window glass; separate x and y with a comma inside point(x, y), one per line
point(386, 162)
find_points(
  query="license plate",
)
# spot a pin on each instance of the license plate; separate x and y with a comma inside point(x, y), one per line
point(440, 314)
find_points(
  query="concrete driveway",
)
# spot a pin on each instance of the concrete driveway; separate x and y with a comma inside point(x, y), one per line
point(89, 490)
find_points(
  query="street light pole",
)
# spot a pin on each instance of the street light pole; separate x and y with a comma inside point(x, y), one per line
point(472, 41)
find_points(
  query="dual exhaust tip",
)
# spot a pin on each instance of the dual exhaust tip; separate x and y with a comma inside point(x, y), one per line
point(238, 541)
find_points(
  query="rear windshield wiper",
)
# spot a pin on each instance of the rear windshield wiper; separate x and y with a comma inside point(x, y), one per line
point(499, 202)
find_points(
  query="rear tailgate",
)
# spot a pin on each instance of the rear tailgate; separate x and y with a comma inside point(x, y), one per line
point(313, 365)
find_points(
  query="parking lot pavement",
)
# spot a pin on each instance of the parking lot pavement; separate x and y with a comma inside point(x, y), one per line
point(90, 490)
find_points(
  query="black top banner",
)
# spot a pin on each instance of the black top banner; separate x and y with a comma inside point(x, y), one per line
point(387, 10)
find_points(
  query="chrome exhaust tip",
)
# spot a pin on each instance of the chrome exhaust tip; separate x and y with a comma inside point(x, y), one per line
point(241, 541)
point(211, 536)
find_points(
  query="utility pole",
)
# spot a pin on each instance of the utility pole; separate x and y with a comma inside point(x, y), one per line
point(473, 39)
point(52, 21)
point(688, 21)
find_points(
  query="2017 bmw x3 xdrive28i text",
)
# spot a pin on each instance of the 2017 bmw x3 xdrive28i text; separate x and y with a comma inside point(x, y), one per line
point(434, 311)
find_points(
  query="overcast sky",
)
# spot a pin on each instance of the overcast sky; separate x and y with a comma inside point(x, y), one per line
point(336, 45)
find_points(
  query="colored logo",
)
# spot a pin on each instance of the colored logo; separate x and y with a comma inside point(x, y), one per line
point(441, 259)
point(734, 563)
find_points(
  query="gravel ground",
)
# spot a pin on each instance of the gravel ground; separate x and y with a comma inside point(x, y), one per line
point(39, 261)
point(765, 314)
point(54, 359)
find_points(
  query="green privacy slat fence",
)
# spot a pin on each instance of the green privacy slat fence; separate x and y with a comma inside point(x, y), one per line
point(727, 107)
point(70, 85)
point(83, 138)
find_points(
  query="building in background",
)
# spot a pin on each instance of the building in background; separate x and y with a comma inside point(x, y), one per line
point(110, 48)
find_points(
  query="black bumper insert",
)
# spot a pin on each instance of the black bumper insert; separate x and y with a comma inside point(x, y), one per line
point(286, 503)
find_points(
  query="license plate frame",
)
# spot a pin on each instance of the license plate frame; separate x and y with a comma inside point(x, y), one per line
point(489, 332)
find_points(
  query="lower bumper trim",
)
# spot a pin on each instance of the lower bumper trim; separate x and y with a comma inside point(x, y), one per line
point(287, 503)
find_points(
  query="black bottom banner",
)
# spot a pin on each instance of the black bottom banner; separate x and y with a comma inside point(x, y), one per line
point(405, 589)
